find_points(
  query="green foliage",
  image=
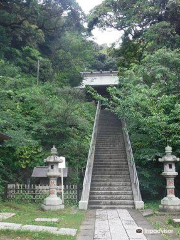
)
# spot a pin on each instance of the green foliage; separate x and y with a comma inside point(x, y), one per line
point(154, 205)
point(148, 98)
point(148, 92)
point(134, 17)
point(147, 27)
point(38, 117)
point(51, 32)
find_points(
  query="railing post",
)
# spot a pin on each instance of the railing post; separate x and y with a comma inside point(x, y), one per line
point(139, 204)
point(83, 204)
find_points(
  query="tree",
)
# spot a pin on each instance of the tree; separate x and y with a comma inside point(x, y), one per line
point(38, 117)
point(134, 17)
point(148, 98)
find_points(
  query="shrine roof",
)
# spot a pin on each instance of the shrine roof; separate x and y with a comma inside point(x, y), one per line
point(102, 78)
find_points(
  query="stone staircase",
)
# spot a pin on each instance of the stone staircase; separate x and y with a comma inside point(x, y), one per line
point(111, 185)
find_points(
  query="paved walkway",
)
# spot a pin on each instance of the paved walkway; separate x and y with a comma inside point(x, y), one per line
point(115, 224)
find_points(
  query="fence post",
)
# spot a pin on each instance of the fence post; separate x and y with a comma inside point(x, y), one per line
point(78, 193)
point(5, 196)
point(34, 192)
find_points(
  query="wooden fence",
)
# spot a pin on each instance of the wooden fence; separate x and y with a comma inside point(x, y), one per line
point(35, 193)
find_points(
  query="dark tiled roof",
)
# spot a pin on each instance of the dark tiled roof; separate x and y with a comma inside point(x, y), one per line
point(40, 172)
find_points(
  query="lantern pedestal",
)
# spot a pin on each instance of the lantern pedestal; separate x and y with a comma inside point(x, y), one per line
point(53, 202)
point(170, 203)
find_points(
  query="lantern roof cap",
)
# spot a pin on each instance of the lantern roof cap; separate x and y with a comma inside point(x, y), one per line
point(168, 157)
point(53, 158)
point(54, 150)
point(168, 149)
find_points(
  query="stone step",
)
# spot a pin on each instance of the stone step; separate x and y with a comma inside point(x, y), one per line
point(111, 167)
point(109, 152)
point(110, 179)
point(110, 197)
point(111, 206)
point(110, 120)
point(110, 138)
point(110, 184)
point(109, 132)
point(112, 135)
point(111, 202)
point(115, 159)
point(105, 149)
point(109, 146)
point(112, 162)
point(122, 182)
point(114, 167)
point(110, 171)
point(109, 160)
point(111, 188)
point(112, 150)
point(105, 163)
point(109, 164)
point(110, 143)
point(111, 156)
point(111, 193)
point(105, 139)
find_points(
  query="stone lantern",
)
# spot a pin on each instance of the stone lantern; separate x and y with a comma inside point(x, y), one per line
point(170, 202)
point(53, 202)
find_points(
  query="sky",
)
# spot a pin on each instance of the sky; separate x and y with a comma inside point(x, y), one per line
point(101, 37)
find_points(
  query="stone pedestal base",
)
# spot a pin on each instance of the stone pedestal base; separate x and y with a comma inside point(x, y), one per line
point(167, 208)
point(52, 208)
point(170, 204)
point(83, 205)
point(52, 203)
point(139, 204)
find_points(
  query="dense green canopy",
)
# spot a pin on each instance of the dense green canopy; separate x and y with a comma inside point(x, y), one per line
point(148, 96)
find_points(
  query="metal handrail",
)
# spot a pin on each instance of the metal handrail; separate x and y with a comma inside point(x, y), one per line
point(83, 204)
point(132, 165)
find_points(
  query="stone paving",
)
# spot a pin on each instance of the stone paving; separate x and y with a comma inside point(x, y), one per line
point(4, 216)
point(117, 224)
point(47, 220)
point(36, 228)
